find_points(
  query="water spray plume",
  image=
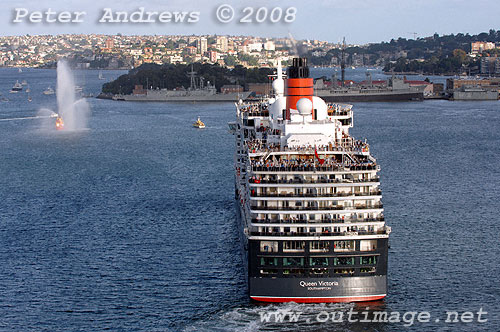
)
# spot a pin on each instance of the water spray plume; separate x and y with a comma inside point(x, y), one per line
point(72, 113)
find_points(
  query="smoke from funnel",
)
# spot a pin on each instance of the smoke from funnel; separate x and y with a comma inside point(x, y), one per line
point(297, 49)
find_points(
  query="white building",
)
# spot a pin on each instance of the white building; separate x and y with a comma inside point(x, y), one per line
point(202, 45)
point(176, 58)
point(221, 42)
point(269, 46)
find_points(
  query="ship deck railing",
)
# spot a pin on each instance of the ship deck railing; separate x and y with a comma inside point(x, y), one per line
point(305, 234)
point(256, 146)
point(320, 221)
point(263, 113)
point(339, 194)
point(332, 168)
point(338, 113)
point(315, 208)
point(301, 181)
point(314, 272)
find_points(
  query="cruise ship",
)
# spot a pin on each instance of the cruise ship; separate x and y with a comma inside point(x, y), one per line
point(312, 222)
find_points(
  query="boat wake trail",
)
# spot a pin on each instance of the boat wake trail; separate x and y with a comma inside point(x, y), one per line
point(30, 117)
point(253, 318)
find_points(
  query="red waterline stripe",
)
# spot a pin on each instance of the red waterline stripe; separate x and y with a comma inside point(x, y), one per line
point(318, 299)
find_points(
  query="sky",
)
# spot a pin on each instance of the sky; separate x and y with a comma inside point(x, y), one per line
point(360, 21)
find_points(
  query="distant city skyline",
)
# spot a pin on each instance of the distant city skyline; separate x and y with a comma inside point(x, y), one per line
point(360, 21)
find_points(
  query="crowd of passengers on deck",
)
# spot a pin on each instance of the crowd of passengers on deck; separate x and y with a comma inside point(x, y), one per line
point(302, 163)
point(257, 109)
point(350, 145)
point(254, 108)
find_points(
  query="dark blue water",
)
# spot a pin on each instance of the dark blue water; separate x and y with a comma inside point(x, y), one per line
point(131, 225)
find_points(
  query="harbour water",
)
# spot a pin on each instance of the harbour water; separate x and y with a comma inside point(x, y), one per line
point(131, 224)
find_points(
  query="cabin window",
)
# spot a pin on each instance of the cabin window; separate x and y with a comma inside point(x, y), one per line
point(318, 261)
point(269, 246)
point(367, 270)
point(368, 245)
point(320, 246)
point(269, 261)
point(368, 260)
point(343, 261)
point(319, 271)
point(294, 272)
point(293, 261)
point(290, 246)
point(343, 271)
point(344, 245)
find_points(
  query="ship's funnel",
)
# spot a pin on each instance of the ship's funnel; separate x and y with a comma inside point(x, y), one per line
point(298, 85)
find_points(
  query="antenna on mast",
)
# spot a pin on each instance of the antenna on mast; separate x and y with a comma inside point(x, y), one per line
point(342, 63)
point(280, 70)
point(279, 82)
point(415, 34)
point(192, 75)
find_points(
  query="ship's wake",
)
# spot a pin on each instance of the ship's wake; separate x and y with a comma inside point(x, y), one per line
point(29, 118)
point(285, 317)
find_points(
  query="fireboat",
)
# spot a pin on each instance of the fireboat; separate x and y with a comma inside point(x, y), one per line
point(59, 123)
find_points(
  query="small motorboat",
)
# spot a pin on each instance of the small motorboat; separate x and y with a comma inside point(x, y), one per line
point(24, 83)
point(49, 91)
point(199, 124)
point(16, 88)
point(30, 99)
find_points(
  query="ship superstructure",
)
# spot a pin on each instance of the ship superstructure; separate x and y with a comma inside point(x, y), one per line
point(312, 218)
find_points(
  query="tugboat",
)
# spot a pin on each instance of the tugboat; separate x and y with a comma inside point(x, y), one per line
point(312, 223)
point(199, 124)
point(59, 123)
point(16, 88)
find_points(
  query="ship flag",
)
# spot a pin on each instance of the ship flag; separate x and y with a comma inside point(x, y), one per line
point(321, 161)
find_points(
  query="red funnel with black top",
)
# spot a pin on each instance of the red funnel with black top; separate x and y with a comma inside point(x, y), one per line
point(298, 85)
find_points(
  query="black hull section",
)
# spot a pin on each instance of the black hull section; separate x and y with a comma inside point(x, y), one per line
point(344, 98)
point(309, 290)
